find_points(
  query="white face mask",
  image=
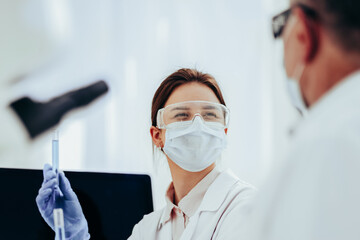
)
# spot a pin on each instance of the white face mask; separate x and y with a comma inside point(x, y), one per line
point(293, 83)
point(195, 147)
point(295, 91)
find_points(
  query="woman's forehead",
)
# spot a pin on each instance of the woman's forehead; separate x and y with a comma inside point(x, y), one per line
point(192, 92)
point(193, 105)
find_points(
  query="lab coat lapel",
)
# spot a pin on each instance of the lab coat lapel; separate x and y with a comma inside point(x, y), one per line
point(164, 230)
point(218, 191)
point(214, 197)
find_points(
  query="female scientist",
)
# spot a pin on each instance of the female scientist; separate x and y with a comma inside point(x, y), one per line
point(189, 125)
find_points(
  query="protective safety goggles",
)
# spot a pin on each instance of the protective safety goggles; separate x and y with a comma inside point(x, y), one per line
point(185, 112)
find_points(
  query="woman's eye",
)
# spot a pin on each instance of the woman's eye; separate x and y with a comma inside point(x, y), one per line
point(181, 115)
point(210, 114)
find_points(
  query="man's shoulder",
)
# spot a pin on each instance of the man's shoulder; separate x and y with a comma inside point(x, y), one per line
point(336, 113)
point(327, 143)
point(338, 124)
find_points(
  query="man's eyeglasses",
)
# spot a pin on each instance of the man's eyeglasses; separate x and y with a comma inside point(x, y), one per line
point(280, 20)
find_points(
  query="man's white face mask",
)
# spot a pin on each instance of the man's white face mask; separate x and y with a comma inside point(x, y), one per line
point(294, 90)
point(293, 82)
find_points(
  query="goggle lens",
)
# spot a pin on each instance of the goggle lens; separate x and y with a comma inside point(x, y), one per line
point(186, 111)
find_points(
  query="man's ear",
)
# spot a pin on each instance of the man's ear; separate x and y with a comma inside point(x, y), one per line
point(156, 136)
point(307, 34)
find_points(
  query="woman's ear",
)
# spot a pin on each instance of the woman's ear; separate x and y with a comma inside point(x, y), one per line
point(156, 136)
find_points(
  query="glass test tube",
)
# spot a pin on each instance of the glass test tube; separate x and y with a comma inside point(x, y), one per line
point(55, 152)
point(59, 224)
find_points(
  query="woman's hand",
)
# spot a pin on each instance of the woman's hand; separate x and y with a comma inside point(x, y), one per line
point(60, 195)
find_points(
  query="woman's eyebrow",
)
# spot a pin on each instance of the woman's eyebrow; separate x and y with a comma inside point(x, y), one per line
point(209, 107)
point(180, 108)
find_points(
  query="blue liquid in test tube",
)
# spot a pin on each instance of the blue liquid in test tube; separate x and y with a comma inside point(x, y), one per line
point(55, 153)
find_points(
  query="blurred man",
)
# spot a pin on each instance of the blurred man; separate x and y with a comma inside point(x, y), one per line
point(315, 195)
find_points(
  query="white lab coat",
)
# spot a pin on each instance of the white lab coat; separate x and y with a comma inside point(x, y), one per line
point(316, 193)
point(211, 219)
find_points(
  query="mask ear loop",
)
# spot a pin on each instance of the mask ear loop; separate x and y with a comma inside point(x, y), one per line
point(298, 74)
point(300, 68)
point(314, 37)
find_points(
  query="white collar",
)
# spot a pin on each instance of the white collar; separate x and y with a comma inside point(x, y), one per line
point(190, 203)
point(214, 196)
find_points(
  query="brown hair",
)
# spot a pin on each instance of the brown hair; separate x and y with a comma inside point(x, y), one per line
point(178, 78)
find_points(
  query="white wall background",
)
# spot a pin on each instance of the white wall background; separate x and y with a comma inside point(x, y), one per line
point(134, 45)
